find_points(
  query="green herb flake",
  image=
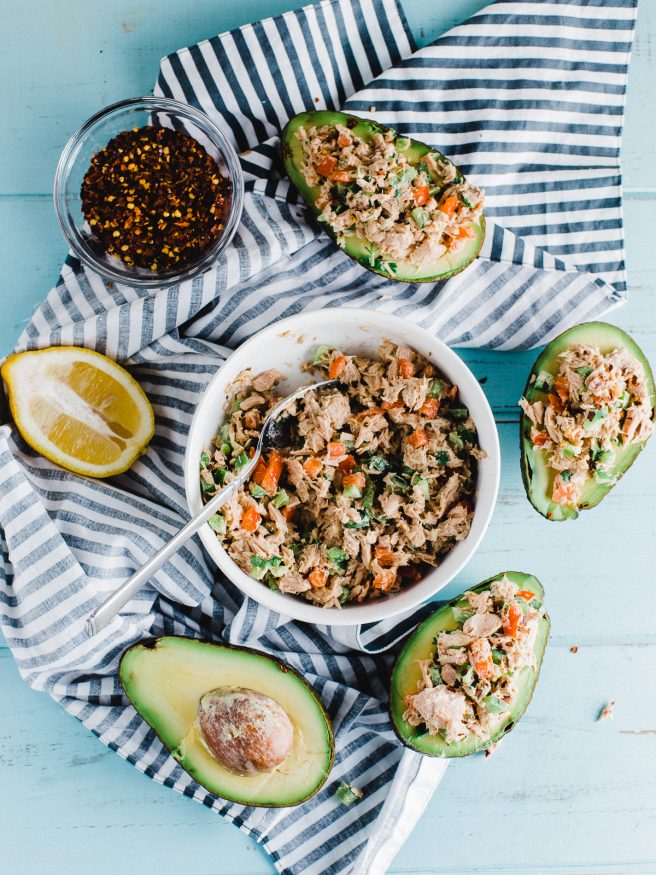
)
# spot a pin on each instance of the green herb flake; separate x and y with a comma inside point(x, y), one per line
point(442, 457)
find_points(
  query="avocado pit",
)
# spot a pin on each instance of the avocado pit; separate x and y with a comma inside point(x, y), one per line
point(245, 730)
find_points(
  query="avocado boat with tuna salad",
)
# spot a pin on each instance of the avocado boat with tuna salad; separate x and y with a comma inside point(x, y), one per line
point(587, 412)
point(467, 674)
point(396, 206)
point(243, 724)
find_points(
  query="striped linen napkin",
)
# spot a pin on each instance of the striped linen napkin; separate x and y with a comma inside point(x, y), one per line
point(528, 98)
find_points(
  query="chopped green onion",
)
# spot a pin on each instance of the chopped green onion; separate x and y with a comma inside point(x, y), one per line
point(419, 216)
point(257, 491)
point(436, 389)
point(241, 461)
point(442, 457)
point(468, 435)
point(497, 656)
point(204, 459)
point(458, 412)
point(353, 491)
point(378, 463)
point(344, 594)
point(466, 201)
point(236, 405)
point(369, 495)
point(259, 567)
point(280, 499)
point(435, 676)
point(220, 475)
point(206, 488)
point(226, 449)
point(217, 523)
point(456, 441)
point(422, 484)
point(348, 794)
point(494, 705)
point(398, 483)
point(362, 523)
point(543, 382)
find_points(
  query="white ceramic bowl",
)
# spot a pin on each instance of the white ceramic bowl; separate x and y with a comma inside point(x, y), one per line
point(285, 345)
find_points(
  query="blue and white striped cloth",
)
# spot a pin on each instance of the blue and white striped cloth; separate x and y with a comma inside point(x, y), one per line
point(528, 98)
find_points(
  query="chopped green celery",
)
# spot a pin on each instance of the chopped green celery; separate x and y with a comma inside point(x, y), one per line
point(362, 523)
point(442, 457)
point(271, 583)
point(224, 433)
point(352, 491)
point(321, 355)
point(379, 463)
point(466, 201)
point(206, 488)
point(337, 556)
point(344, 594)
point(241, 461)
point(584, 371)
point(220, 475)
point(217, 523)
point(455, 440)
point(543, 381)
point(436, 389)
point(257, 491)
point(419, 216)
point(348, 794)
point(422, 483)
point(369, 495)
point(458, 412)
point(497, 656)
point(280, 499)
point(624, 400)
point(598, 416)
point(226, 448)
point(204, 459)
point(494, 705)
point(236, 405)
point(435, 676)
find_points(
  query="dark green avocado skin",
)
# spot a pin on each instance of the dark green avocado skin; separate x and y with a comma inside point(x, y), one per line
point(420, 646)
point(536, 476)
point(356, 248)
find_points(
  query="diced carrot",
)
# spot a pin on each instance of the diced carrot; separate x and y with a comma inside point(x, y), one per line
point(430, 408)
point(318, 578)
point(336, 449)
point(406, 368)
point(465, 232)
point(561, 386)
point(347, 464)
point(481, 655)
point(250, 419)
point(326, 166)
point(421, 194)
point(356, 479)
point(385, 580)
point(259, 472)
point(418, 438)
point(312, 467)
point(563, 492)
point(539, 438)
point(337, 367)
point(526, 595)
point(289, 512)
point(448, 205)
point(273, 471)
point(511, 621)
point(556, 403)
point(371, 411)
point(391, 405)
point(384, 555)
point(250, 519)
point(341, 176)
point(343, 140)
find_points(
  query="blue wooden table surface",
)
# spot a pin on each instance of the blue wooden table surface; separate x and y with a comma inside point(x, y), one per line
point(563, 794)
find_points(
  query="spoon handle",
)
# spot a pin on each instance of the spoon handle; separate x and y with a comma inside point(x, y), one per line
point(104, 613)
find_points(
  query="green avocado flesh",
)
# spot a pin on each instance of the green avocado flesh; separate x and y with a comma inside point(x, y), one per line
point(537, 475)
point(359, 248)
point(165, 679)
point(420, 646)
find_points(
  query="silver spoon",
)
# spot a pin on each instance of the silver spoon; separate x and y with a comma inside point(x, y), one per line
point(102, 615)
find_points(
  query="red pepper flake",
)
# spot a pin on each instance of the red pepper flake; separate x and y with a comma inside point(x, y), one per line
point(154, 198)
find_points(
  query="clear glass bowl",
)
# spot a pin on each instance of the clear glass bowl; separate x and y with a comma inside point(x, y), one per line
point(94, 135)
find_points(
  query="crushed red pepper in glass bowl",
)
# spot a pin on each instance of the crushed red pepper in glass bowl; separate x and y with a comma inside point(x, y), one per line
point(149, 192)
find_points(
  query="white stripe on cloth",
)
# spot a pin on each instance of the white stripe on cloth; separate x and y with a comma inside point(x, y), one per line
point(528, 98)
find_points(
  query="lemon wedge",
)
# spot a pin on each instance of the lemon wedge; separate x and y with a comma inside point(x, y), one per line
point(79, 409)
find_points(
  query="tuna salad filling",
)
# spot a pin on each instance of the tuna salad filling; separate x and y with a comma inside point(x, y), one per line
point(376, 483)
point(368, 188)
point(595, 404)
point(471, 681)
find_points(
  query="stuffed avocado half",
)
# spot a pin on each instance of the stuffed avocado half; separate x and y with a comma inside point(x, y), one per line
point(466, 675)
point(244, 725)
point(396, 206)
point(587, 412)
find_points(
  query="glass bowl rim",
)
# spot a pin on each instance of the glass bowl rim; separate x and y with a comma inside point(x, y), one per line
point(236, 179)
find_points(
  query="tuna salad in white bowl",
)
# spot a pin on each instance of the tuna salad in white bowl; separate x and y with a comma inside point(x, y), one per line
point(384, 482)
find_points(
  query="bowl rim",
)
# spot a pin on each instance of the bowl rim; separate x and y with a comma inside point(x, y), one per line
point(205, 261)
point(381, 609)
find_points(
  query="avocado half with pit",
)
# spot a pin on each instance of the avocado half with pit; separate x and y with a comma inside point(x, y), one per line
point(421, 645)
point(537, 475)
point(359, 248)
point(243, 724)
